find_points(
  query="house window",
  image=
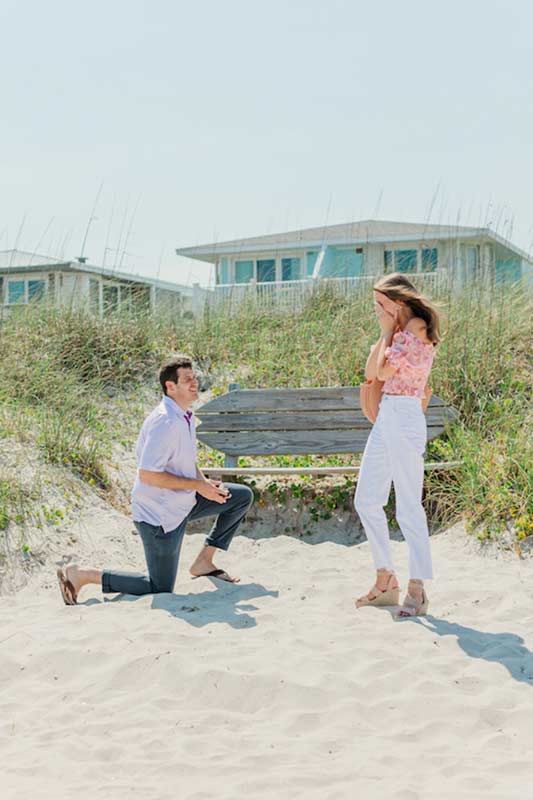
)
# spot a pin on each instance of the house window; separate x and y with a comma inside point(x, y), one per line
point(266, 270)
point(343, 263)
point(16, 292)
point(36, 290)
point(223, 271)
point(290, 269)
point(94, 295)
point(429, 259)
point(406, 260)
point(244, 271)
point(310, 261)
point(388, 261)
point(110, 296)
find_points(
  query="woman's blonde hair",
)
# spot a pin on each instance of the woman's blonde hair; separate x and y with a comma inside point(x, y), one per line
point(398, 287)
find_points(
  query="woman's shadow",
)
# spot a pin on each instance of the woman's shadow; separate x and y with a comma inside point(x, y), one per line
point(506, 649)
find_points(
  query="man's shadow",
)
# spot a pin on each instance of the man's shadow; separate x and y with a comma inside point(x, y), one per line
point(204, 608)
point(506, 649)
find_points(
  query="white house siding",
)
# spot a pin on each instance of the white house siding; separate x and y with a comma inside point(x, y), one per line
point(73, 289)
point(373, 259)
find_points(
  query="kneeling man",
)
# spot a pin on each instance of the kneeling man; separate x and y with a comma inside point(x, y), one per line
point(169, 491)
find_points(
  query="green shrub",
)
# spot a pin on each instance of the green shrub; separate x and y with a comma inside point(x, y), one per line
point(67, 379)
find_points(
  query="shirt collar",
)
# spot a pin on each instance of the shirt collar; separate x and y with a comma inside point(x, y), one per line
point(175, 410)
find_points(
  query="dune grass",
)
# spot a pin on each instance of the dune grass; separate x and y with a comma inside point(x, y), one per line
point(66, 377)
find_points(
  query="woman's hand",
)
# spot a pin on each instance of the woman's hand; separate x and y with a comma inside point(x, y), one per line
point(388, 321)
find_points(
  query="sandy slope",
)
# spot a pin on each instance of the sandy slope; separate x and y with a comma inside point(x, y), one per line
point(276, 688)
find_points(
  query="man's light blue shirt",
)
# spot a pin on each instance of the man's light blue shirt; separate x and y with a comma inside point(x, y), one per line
point(166, 443)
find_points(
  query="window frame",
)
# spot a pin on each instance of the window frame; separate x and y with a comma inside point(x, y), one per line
point(390, 257)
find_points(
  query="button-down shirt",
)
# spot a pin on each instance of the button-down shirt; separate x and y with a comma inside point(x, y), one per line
point(166, 443)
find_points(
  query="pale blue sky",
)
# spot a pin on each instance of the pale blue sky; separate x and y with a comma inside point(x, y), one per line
point(233, 118)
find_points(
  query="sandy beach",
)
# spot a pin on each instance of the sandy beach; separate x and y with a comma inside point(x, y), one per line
point(274, 688)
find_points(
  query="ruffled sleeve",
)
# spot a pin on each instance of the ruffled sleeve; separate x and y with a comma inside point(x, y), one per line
point(409, 354)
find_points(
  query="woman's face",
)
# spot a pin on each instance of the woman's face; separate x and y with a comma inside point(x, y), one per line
point(382, 301)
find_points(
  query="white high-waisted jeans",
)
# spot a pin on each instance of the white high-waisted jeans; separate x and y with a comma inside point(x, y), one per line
point(394, 453)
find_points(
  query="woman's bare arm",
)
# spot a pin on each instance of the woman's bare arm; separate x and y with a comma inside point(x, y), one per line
point(372, 361)
point(383, 368)
point(376, 363)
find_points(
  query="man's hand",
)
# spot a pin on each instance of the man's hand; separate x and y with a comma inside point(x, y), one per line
point(213, 490)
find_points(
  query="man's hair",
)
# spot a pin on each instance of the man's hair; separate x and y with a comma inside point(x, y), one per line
point(169, 370)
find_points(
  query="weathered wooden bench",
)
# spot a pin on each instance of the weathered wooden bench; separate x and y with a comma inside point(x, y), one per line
point(269, 422)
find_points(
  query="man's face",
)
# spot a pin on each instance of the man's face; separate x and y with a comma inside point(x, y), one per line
point(185, 391)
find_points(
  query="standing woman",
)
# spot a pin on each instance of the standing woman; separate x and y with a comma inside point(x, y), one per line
point(402, 358)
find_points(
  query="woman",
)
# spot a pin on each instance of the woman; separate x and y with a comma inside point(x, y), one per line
point(402, 358)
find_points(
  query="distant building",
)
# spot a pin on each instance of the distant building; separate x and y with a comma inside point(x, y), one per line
point(360, 250)
point(28, 277)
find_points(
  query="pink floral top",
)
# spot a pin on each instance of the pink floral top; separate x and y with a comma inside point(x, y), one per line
point(413, 359)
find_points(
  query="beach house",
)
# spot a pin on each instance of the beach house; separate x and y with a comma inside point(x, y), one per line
point(27, 278)
point(356, 252)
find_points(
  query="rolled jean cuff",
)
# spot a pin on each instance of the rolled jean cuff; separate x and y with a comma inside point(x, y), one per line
point(106, 584)
point(211, 543)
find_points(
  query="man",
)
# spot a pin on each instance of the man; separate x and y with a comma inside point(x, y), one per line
point(169, 491)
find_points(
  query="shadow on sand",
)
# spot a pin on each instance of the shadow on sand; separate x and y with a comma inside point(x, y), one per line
point(506, 649)
point(228, 605)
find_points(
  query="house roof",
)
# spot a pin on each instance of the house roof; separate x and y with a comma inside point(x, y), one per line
point(23, 258)
point(361, 232)
point(20, 261)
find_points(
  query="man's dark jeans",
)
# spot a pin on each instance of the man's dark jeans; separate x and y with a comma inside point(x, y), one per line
point(162, 550)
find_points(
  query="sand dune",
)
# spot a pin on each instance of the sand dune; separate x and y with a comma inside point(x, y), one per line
point(274, 688)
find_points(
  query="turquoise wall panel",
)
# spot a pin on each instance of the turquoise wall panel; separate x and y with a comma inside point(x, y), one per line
point(223, 271)
point(310, 261)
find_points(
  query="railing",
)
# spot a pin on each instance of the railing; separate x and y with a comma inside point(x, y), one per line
point(294, 294)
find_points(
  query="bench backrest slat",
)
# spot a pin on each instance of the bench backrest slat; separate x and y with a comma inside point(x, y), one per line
point(299, 420)
point(335, 398)
point(248, 443)
point(296, 421)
